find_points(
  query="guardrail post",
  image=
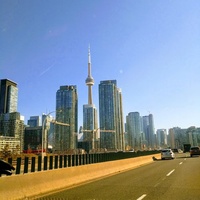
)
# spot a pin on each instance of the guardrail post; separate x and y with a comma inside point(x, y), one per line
point(50, 162)
point(39, 163)
point(26, 165)
point(104, 157)
point(60, 161)
point(90, 158)
point(76, 160)
point(84, 159)
point(45, 163)
point(33, 164)
point(98, 157)
point(56, 162)
point(95, 157)
point(69, 160)
point(18, 167)
point(65, 160)
point(73, 160)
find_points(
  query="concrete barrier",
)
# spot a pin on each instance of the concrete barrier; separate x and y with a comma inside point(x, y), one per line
point(37, 183)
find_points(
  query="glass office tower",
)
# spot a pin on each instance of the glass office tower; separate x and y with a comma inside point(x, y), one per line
point(67, 113)
point(8, 96)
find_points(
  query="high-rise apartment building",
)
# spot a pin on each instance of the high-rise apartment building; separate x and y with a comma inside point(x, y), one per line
point(152, 141)
point(149, 131)
point(133, 122)
point(161, 138)
point(8, 96)
point(120, 122)
point(90, 121)
point(178, 137)
point(171, 138)
point(111, 116)
point(67, 113)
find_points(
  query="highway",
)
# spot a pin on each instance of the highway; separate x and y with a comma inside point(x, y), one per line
point(177, 179)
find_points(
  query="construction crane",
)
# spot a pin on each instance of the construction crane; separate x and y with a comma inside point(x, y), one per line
point(59, 123)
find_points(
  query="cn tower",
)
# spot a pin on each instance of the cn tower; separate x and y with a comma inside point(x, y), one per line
point(90, 121)
point(89, 81)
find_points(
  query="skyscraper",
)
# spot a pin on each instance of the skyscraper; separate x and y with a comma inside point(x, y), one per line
point(152, 142)
point(111, 116)
point(148, 130)
point(8, 96)
point(161, 138)
point(11, 122)
point(133, 122)
point(34, 121)
point(66, 112)
point(90, 122)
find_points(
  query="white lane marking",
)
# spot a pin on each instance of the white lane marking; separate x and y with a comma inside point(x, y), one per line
point(180, 163)
point(142, 197)
point(156, 184)
point(170, 172)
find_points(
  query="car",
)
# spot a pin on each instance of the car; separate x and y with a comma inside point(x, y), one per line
point(194, 151)
point(5, 168)
point(167, 154)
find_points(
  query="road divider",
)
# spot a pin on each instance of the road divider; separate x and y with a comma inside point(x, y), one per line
point(38, 183)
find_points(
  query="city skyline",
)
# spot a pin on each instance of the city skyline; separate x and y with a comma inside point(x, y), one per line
point(154, 56)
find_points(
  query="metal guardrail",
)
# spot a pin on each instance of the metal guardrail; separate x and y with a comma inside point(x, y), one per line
point(51, 162)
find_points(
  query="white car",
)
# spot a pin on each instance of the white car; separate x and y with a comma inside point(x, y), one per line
point(167, 154)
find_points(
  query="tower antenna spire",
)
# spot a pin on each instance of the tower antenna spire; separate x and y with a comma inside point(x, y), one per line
point(89, 57)
point(89, 81)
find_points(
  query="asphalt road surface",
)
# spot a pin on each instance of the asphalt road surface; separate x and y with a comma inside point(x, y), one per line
point(177, 179)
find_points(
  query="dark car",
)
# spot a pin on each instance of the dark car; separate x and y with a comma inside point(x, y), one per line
point(194, 151)
point(6, 168)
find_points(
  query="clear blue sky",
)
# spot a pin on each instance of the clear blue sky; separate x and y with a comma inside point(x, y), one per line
point(151, 47)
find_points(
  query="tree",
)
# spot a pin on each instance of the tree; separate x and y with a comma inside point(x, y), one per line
point(6, 151)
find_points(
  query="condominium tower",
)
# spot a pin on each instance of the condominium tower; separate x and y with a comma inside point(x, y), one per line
point(133, 122)
point(149, 131)
point(111, 116)
point(66, 113)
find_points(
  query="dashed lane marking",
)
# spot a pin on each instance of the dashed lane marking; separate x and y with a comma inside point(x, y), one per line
point(156, 184)
point(142, 197)
point(170, 172)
